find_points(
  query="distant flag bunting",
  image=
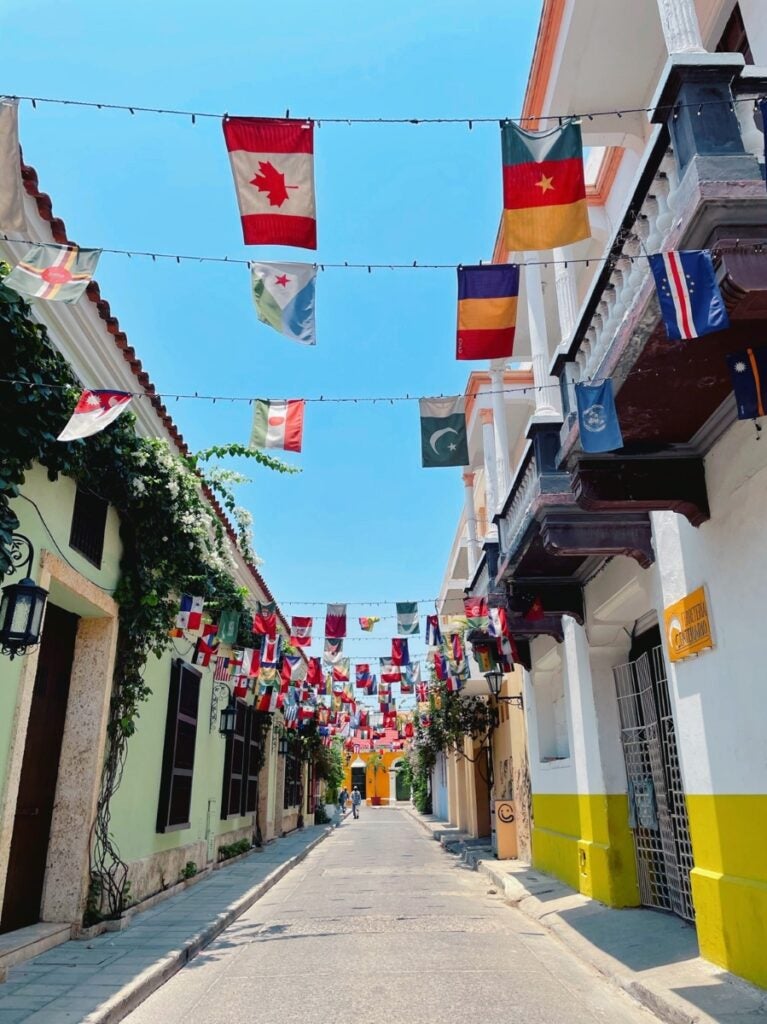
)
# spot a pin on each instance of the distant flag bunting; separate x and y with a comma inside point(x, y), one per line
point(189, 618)
point(367, 622)
point(55, 272)
point(407, 618)
point(487, 311)
point(278, 424)
point(390, 673)
point(94, 411)
point(301, 630)
point(748, 372)
point(433, 632)
point(475, 609)
point(400, 655)
point(314, 676)
point(690, 301)
point(598, 417)
point(265, 618)
point(11, 188)
point(362, 675)
point(273, 167)
point(228, 626)
point(444, 440)
point(284, 298)
point(335, 621)
point(544, 191)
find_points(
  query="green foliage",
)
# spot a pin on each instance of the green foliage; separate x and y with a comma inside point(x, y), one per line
point(320, 815)
point(229, 850)
point(189, 870)
point(172, 540)
point(335, 772)
point(453, 717)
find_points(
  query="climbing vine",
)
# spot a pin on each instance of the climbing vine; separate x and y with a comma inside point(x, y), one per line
point(172, 541)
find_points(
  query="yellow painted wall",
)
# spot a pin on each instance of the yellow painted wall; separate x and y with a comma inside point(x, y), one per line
point(585, 841)
point(374, 786)
point(729, 881)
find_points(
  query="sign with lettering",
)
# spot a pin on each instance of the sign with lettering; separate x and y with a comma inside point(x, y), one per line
point(688, 627)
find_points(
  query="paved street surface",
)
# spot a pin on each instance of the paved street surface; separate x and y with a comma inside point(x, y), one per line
point(379, 924)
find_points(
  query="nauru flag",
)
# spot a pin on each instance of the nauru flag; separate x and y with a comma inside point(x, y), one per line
point(94, 411)
point(273, 166)
point(544, 192)
point(487, 311)
point(278, 424)
point(284, 298)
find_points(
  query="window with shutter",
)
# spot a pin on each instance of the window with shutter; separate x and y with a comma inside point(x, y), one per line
point(252, 757)
point(292, 775)
point(175, 803)
point(89, 521)
point(235, 766)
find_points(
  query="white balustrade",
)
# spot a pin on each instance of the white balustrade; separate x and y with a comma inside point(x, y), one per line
point(512, 523)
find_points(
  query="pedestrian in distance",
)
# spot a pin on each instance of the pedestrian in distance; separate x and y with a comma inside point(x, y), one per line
point(343, 796)
point(356, 801)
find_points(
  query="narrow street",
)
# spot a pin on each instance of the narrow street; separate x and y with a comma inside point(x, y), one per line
point(379, 924)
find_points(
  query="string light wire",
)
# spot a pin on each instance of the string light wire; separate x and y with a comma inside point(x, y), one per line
point(193, 115)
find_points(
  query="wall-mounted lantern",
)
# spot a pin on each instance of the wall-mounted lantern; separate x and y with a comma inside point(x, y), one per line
point(22, 604)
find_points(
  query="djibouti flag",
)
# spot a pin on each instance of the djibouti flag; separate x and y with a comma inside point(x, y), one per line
point(284, 298)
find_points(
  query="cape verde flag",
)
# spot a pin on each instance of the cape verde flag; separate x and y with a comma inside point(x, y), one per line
point(690, 301)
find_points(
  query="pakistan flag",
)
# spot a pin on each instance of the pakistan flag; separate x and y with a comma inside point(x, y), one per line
point(443, 432)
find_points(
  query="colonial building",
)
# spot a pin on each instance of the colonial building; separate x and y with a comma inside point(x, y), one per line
point(646, 565)
point(186, 791)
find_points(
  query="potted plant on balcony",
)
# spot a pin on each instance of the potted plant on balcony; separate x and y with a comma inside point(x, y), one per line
point(376, 762)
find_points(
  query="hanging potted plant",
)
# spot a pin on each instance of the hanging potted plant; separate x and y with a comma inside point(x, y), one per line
point(376, 762)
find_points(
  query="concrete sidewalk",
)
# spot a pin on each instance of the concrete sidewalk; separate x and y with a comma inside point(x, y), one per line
point(651, 955)
point(100, 980)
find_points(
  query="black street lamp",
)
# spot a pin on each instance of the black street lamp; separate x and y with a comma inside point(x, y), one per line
point(227, 723)
point(22, 604)
point(495, 684)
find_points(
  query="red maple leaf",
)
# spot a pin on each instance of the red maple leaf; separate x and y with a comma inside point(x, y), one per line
point(271, 181)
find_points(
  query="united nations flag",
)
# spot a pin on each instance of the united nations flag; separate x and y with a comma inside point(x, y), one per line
point(597, 417)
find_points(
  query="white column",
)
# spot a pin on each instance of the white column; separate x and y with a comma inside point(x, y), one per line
point(471, 521)
point(501, 431)
point(491, 478)
point(546, 397)
point(681, 30)
point(567, 294)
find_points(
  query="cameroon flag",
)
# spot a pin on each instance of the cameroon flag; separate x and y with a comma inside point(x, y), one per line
point(544, 194)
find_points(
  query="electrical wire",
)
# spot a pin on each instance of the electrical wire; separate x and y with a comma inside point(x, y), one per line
point(193, 115)
point(369, 267)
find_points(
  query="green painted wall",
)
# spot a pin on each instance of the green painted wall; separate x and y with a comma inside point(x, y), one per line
point(134, 808)
point(55, 501)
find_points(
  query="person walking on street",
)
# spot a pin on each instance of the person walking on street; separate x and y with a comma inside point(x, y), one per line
point(343, 796)
point(356, 801)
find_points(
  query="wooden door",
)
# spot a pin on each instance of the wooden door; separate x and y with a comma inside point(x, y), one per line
point(39, 772)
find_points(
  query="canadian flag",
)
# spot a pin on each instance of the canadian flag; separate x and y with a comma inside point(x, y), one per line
point(273, 166)
point(94, 411)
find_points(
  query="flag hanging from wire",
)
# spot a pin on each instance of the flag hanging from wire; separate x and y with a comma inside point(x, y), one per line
point(284, 298)
point(94, 411)
point(54, 272)
point(690, 301)
point(273, 167)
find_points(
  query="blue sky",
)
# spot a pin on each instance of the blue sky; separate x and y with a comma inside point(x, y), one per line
point(363, 520)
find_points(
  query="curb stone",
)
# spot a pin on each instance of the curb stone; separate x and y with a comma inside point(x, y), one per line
point(154, 977)
point(666, 1006)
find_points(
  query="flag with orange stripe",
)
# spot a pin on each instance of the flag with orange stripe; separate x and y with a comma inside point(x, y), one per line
point(487, 311)
point(60, 272)
point(544, 192)
point(748, 371)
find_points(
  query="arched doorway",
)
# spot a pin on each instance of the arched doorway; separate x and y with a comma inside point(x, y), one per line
point(398, 789)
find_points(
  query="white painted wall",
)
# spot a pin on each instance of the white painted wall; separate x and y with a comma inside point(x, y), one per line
point(721, 695)
point(755, 19)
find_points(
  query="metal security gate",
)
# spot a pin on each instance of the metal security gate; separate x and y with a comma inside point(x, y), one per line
point(657, 809)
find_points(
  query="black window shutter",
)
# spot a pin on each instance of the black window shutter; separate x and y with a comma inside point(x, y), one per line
point(252, 753)
point(234, 765)
point(175, 803)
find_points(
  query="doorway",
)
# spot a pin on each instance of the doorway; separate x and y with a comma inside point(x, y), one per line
point(358, 780)
point(402, 788)
point(657, 808)
point(39, 772)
